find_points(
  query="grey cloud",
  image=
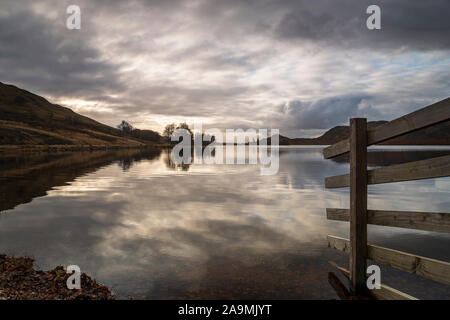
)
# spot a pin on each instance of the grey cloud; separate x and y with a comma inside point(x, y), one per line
point(183, 101)
point(224, 59)
point(326, 113)
point(43, 55)
point(420, 25)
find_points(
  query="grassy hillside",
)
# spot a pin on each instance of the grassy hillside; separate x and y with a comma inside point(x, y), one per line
point(28, 119)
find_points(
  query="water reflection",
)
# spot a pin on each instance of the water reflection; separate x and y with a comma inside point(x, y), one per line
point(27, 176)
point(150, 229)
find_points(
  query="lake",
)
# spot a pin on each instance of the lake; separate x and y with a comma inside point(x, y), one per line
point(150, 229)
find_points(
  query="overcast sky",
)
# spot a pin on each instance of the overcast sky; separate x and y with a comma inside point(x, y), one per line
point(297, 65)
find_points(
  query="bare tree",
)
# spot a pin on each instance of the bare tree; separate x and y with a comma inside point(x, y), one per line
point(168, 130)
point(125, 127)
point(185, 126)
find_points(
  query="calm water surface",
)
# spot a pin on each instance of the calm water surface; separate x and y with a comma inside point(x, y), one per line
point(149, 229)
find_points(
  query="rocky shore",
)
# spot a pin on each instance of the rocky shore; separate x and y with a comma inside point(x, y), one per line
point(20, 281)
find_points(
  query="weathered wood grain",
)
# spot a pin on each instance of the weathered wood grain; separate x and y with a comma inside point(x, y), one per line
point(422, 118)
point(358, 205)
point(340, 289)
point(425, 267)
point(388, 293)
point(416, 170)
point(338, 243)
point(336, 149)
point(344, 271)
point(384, 293)
point(427, 221)
point(339, 181)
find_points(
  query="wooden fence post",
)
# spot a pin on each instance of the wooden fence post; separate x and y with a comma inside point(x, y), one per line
point(358, 204)
point(358, 215)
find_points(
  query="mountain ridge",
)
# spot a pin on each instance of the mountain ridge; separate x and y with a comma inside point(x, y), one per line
point(435, 135)
point(29, 119)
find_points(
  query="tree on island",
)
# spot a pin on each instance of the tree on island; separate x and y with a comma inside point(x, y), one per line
point(125, 127)
point(185, 126)
point(170, 129)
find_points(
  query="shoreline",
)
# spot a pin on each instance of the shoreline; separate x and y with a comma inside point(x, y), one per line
point(62, 148)
point(19, 280)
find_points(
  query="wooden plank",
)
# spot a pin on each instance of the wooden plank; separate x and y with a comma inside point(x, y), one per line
point(423, 169)
point(427, 221)
point(336, 149)
point(425, 267)
point(344, 271)
point(384, 293)
point(416, 170)
point(338, 243)
point(339, 181)
point(422, 118)
point(388, 293)
point(338, 214)
point(340, 289)
point(428, 268)
point(358, 205)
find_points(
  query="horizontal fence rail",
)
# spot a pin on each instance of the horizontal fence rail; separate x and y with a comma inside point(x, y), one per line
point(425, 117)
point(359, 216)
point(423, 169)
point(383, 293)
point(388, 293)
point(427, 221)
point(425, 267)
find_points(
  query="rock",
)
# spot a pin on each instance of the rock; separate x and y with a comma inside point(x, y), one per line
point(19, 280)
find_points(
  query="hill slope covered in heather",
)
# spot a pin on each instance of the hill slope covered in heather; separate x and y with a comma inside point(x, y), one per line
point(29, 119)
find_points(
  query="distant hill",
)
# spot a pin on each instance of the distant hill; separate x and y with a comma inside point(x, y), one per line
point(28, 119)
point(435, 135)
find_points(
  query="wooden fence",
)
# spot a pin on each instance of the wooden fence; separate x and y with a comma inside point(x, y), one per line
point(358, 215)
